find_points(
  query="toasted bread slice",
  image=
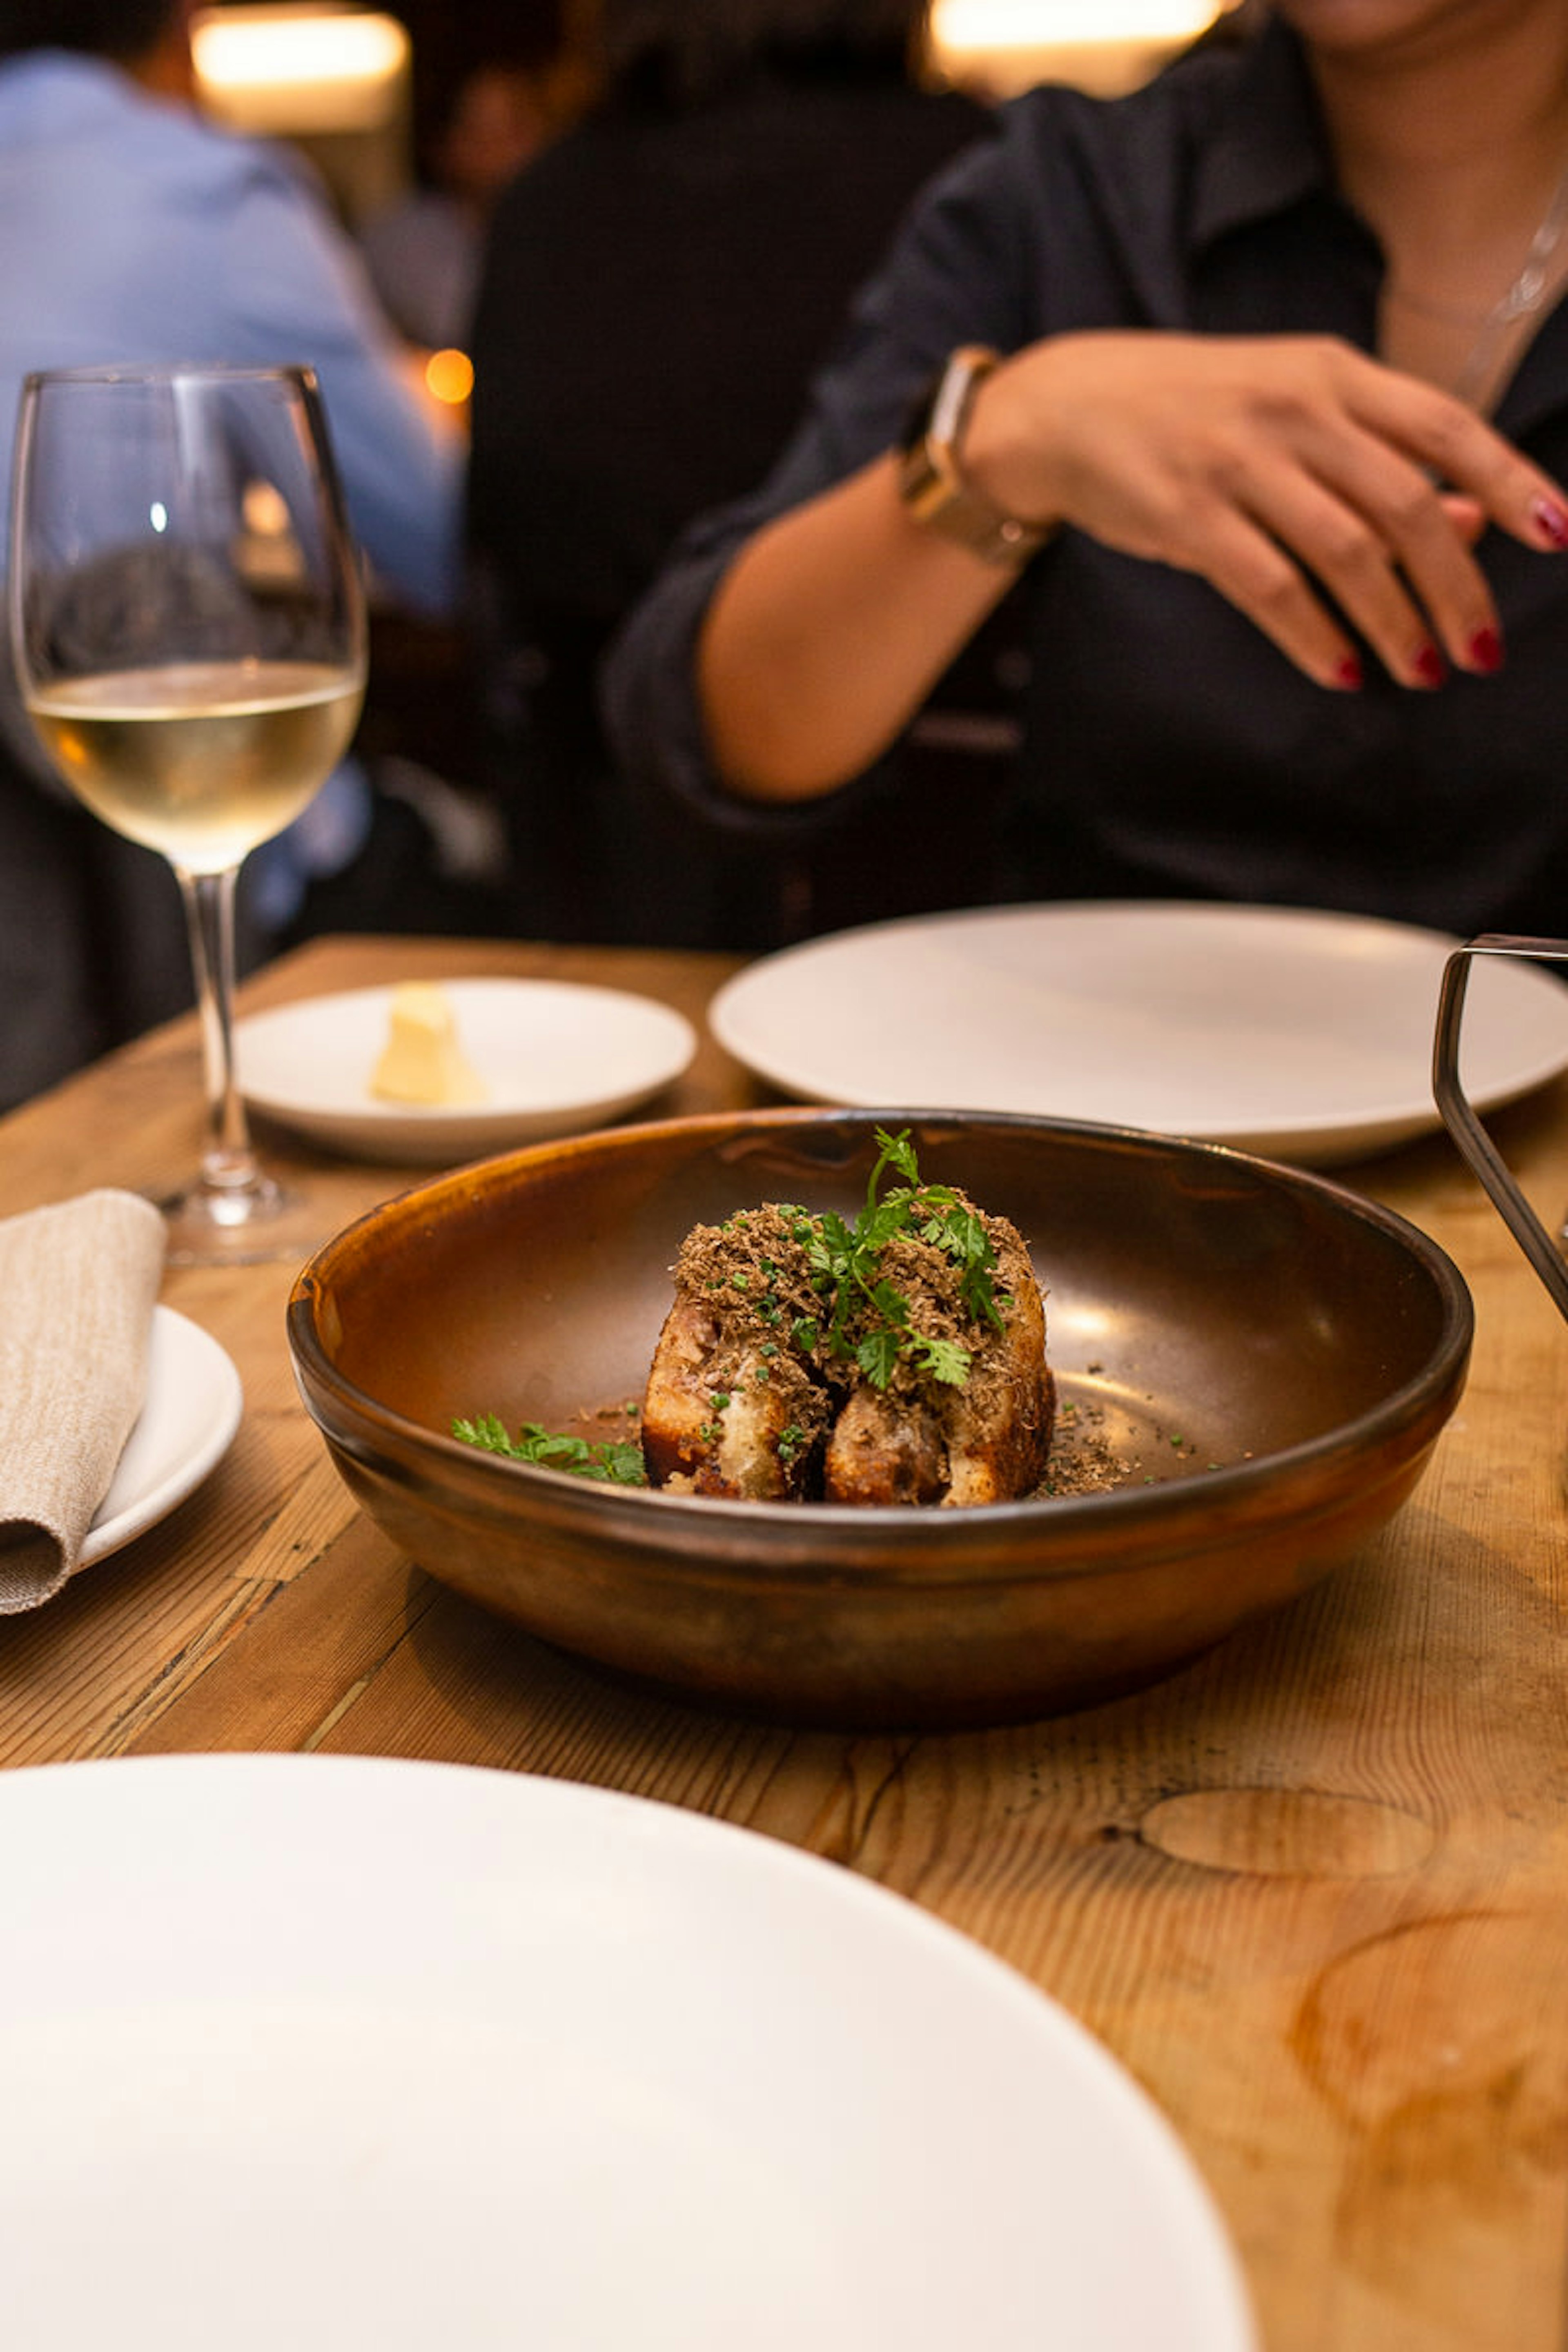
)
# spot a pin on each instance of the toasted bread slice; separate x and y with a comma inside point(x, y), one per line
point(761, 1388)
point(986, 1440)
point(722, 1420)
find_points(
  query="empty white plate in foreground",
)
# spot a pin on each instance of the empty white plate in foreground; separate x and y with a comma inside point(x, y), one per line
point(556, 1057)
point(188, 1418)
point(322, 2052)
point(1302, 1034)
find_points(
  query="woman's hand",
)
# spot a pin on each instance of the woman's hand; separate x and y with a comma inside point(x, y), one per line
point(1329, 497)
point(1293, 472)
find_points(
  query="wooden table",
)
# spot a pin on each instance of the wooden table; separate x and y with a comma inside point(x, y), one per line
point(1313, 1891)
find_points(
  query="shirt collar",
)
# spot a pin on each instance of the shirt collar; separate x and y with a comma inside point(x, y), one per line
point(1269, 150)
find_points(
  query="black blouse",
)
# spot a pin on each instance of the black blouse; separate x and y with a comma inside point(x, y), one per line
point(1167, 749)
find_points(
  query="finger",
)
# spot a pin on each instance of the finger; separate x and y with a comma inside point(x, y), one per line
point(1468, 516)
point(1258, 576)
point(1464, 453)
point(1374, 529)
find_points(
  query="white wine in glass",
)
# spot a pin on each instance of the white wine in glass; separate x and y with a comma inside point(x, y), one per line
point(188, 631)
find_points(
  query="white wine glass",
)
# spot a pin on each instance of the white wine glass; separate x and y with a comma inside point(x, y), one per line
point(188, 631)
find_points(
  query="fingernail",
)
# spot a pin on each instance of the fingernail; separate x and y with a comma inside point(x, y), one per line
point(1551, 520)
point(1348, 674)
point(1429, 667)
point(1486, 651)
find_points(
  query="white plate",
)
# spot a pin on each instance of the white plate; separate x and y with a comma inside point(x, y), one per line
point(186, 1426)
point(555, 1055)
point(326, 2052)
point(1304, 1035)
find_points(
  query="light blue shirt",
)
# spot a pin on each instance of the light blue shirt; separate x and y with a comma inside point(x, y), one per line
point(132, 230)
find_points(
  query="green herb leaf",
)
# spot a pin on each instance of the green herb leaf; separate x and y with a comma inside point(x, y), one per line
point(897, 1151)
point(867, 1318)
point(612, 1460)
point(945, 1360)
point(877, 1355)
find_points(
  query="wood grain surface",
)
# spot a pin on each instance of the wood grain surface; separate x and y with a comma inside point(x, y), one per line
point(1312, 1891)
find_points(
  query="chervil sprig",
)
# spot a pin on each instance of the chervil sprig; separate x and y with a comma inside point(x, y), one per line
point(613, 1460)
point(867, 1317)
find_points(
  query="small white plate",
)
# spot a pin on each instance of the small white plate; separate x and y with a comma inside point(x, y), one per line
point(186, 1426)
point(1301, 1034)
point(556, 1057)
point(332, 2051)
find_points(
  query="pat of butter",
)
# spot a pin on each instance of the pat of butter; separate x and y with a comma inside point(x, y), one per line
point(422, 1061)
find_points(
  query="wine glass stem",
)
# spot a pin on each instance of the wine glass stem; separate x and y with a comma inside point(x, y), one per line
point(228, 1163)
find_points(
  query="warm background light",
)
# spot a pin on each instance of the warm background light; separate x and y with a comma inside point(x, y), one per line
point(1100, 45)
point(333, 79)
point(449, 377)
point(312, 68)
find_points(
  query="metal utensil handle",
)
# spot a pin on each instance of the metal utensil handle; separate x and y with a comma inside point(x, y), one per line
point(1463, 1125)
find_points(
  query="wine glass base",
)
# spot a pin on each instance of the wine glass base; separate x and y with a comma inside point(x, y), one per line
point(256, 1224)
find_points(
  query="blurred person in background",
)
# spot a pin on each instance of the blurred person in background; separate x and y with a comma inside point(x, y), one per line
point(132, 230)
point(423, 250)
point(1247, 395)
point(658, 286)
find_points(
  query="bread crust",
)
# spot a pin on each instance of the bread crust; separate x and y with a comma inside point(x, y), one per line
point(747, 1400)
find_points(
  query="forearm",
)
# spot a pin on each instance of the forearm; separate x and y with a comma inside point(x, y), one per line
point(1297, 476)
point(827, 634)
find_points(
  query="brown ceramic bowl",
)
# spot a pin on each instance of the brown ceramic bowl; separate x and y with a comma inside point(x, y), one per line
point(1272, 1356)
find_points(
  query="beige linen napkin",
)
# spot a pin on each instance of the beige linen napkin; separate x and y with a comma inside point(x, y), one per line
point(78, 1285)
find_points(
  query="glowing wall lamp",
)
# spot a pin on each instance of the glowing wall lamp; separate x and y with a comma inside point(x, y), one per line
point(1099, 45)
point(293, 69)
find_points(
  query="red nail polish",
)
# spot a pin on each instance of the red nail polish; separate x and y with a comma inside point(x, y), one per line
point(1348, 673)
point(1551, 522)
point(1429, 667)
point(1486, 651)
